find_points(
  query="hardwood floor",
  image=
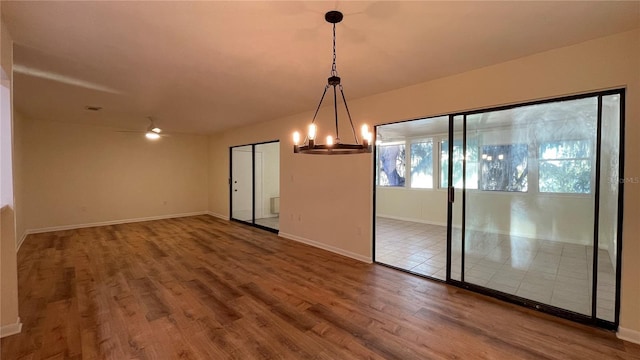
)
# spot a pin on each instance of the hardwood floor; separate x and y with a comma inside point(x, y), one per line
point(203, 288)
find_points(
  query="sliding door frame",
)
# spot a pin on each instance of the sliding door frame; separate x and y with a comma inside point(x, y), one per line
point(252, 222)
point(581, 318)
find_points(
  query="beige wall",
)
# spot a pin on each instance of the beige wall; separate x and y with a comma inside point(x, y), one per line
point(18, 184)
point(316, 205)
point(9, 320)
point(421, 205)
point(78, 174)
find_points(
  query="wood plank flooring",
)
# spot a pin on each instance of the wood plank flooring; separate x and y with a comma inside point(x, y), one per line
point(203, 288)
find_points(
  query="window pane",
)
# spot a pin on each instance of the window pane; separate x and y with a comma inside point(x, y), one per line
point(565, 150)
point(444, 163)
point(422, 164)
point(565, 167)
point(504, 167)
point(391, 165)
point(565, 176)
point(472, 163)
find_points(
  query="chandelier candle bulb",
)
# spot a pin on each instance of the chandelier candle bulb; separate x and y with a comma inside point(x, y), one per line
point(329, 140)
point(296, 138)
point(312, 131)
point(368, 137)
point(364, 130)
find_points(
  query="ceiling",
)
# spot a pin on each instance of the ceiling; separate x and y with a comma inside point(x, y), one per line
point(201, 67)
point(543, 119)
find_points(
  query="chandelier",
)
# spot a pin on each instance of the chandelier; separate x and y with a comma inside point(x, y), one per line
point(333, 145)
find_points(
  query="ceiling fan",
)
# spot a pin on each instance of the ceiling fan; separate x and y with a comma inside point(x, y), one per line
point(152, 132)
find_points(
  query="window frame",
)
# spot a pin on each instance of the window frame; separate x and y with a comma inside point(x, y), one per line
point(440, 166)
point(533, 165)
point(590, 159)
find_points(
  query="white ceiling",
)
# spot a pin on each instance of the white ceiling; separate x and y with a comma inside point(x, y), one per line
point(545, 119)
point(200, 67)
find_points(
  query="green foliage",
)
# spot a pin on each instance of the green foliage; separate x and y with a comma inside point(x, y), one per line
point(458, 157)
point(422, 158)
point(565, 167)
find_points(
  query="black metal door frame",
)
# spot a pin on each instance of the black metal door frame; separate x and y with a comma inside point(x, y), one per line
point(253, 185)
point(588, 319)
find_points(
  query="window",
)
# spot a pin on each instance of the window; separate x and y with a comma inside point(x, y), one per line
point(391, 164)
point(458, 156)
point(565, 167)
point(422, 164)
point(504, 167)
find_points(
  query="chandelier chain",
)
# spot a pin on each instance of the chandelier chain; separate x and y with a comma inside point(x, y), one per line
point(334, 72)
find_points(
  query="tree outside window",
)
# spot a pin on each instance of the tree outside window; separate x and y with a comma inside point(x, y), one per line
point(565, 167)
point(391, 165)
point(422, 164)
point(504, 167)
point(458, 157)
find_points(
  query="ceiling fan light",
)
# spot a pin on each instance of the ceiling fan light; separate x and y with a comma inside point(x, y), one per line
point(151, 135)
point(156, 130)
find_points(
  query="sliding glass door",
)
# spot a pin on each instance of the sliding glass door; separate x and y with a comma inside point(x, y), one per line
point(540, 223)
point(410, 206)
point(521, 202)
point(255, 184)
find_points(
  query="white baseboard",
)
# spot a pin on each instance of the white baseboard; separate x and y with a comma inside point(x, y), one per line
point(105, 223)
point(219, 216)
point(11, 329)
point(323, 246)
point(22, 238)
point(421, 221)
point(628, 335)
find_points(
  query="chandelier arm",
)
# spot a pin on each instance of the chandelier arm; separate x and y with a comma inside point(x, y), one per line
point(335, 112)
point(320, 103)
point(348, 115)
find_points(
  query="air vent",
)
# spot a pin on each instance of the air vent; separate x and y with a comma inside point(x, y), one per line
point(93, 108)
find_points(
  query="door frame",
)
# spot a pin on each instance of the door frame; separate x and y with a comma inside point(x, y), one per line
point(252, 222)
point(586, 319)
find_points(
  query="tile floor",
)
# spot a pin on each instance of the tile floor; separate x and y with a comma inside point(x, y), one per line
point(270, 222)
point(554, 273)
